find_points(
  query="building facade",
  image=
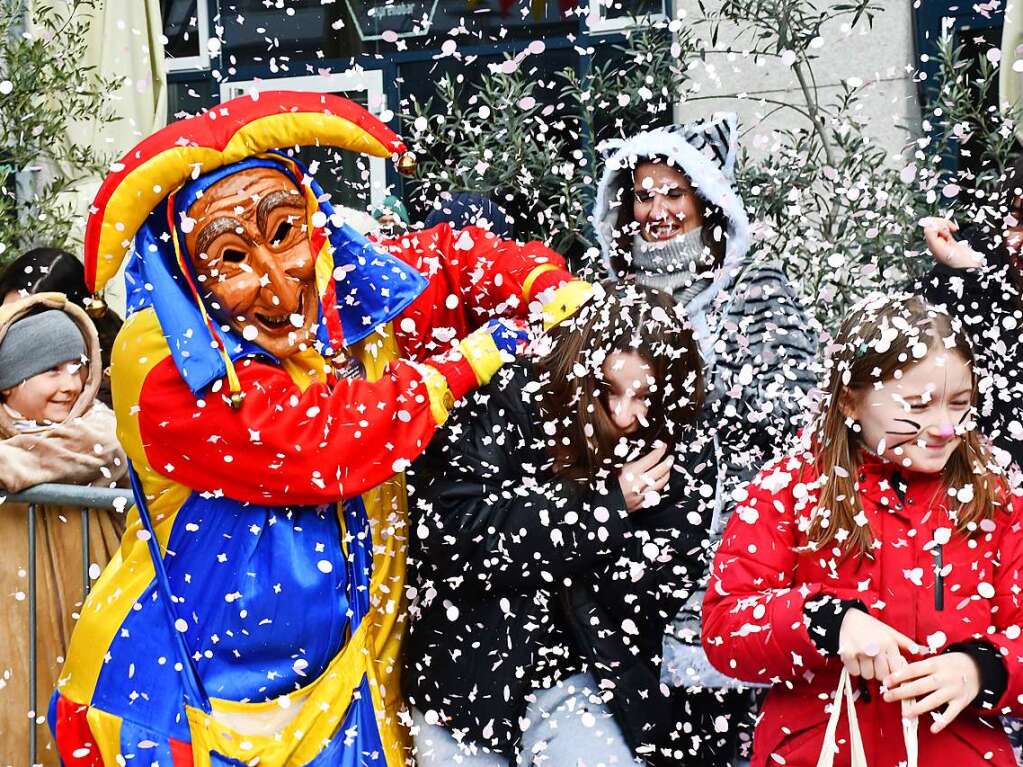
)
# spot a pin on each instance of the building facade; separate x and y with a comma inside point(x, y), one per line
point(381, 53)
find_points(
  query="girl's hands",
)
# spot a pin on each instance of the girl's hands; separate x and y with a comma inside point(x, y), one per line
point(871, 649)
point(951, 678)
point(643, 479)
point(939, 234)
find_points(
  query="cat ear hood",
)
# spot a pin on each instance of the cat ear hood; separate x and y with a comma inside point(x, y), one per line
point(705, 150)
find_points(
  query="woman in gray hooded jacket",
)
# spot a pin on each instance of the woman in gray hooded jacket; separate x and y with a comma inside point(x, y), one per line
point(668, 216)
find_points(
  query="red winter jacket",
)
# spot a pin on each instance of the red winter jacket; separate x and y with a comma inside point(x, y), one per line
point(754, 627)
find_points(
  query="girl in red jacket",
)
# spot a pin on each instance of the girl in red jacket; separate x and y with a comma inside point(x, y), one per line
point(890, 545)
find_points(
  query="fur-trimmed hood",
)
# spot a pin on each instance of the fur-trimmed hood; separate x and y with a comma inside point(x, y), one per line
point(705, 151)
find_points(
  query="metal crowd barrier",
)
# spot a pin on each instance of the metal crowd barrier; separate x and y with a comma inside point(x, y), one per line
point(57, 495)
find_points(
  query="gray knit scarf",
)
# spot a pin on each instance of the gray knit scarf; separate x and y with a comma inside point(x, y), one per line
point(681, 266)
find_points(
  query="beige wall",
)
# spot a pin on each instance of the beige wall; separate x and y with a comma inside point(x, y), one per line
point(880, 56)
point(124, 40)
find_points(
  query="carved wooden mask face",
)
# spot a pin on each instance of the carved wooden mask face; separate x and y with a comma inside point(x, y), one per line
point(250, 248)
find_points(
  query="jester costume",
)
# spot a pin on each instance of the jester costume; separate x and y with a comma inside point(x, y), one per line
point(254, 610)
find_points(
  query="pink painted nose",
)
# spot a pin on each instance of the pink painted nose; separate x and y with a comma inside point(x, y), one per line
point(946, 431)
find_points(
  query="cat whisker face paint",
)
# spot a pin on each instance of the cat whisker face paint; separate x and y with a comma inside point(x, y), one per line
point(904, 437)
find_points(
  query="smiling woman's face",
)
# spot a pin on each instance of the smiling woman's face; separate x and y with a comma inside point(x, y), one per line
point(664, 203)
point(250, 248)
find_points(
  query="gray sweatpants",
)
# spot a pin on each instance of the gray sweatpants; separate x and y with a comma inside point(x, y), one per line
point(568, 727)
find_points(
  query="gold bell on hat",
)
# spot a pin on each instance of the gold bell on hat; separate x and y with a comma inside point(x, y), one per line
point(96, 307)
point(407, 163)
point(236, 399)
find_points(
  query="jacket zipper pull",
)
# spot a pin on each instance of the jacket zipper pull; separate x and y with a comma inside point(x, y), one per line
point(939, 579)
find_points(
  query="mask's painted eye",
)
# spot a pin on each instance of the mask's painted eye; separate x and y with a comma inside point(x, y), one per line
point(233, 255)
point(282, 233)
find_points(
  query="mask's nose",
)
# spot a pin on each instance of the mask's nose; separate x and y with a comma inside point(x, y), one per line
point(282, 288)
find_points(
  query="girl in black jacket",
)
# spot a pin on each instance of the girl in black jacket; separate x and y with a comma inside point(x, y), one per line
point(978, 278)
point(558, 521)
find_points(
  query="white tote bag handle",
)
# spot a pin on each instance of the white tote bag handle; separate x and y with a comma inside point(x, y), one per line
point(909, 733)
point(858, 757)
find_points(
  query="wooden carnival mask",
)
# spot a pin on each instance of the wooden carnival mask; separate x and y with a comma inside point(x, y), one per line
point(249, 247)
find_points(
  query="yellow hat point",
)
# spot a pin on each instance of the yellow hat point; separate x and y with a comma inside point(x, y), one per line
point(96, 307)
point(236, 399)
point(237, 129)
point(407, 163)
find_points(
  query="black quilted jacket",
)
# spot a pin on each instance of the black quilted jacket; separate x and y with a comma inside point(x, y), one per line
point(520, 580)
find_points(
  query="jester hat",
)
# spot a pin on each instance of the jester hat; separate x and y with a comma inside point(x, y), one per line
point(139, 210)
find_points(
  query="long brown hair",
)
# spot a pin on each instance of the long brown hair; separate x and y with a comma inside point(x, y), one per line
point(619, 317)
point(875, 342)
point(714, 233)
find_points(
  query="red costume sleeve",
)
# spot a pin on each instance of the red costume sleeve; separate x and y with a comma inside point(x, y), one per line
point(473, 276)
point(284, 445)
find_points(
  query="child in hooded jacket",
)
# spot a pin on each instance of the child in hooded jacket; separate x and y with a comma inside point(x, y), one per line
point(52, 270)
point(52, 429)
point(887, 545)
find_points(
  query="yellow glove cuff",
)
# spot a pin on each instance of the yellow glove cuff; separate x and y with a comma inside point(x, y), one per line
point(482, 354)
point(437, 389)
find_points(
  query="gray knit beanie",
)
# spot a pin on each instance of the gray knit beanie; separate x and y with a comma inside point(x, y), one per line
point(37, 343)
